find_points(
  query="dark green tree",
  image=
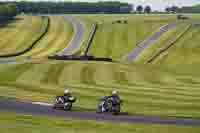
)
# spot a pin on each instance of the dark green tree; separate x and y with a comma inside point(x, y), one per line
point(3, 11)
point(168, 9)
point(11, 10)
point(147, 9)
point(139, 9)
point(8, 10)
point(174, 9)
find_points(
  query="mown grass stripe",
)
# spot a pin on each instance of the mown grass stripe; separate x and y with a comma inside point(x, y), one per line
point(33, 43)
point(164, 49)
point(12, 31)
point(58, 36)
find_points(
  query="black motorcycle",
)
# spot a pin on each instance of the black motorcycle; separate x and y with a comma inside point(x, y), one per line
point(109, 105)
point(62, 103)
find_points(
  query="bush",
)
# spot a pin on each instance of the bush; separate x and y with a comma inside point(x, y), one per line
point(119, 21)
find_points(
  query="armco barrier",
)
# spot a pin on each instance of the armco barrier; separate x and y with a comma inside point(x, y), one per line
point(80, 58)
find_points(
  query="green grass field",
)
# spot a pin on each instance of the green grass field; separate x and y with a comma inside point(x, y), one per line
point(162, 42)
point(146, 90)
point(154, 90)
point(114, 40)
point(11, 123)
point(57, 38)
point(185, 51)
point(21, 33)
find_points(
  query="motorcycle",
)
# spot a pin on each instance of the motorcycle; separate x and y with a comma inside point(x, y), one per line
point(108, 105)
point(61, 103)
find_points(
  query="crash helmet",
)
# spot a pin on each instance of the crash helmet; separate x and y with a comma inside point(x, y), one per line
point(67, 91)
point(115, 92)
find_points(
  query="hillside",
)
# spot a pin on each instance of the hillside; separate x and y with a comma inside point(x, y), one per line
point(21, 33)
point(167, 87)
point(115, 40)
point(139, 85)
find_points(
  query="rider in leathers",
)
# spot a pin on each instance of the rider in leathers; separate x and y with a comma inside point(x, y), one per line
point(115, 98)
point(67, 95)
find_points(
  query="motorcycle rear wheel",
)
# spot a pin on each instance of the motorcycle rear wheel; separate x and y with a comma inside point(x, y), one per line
point(116, 110)
point(67, 107)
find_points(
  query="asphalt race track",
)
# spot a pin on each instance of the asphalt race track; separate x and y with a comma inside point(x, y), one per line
point(78, 38)
point(46, 110)
point(132, 56)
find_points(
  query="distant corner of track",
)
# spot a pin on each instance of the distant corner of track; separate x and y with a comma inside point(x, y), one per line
point(167, 47)
point(69, 53)
point(141, 47)
point(77, 39)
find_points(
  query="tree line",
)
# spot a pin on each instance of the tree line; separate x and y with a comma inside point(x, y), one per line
point(172, 9)
point(185, 9)
point(73, 7)
point(189, 9)
point(143, 9)
point(7, 10)
point(10, 9)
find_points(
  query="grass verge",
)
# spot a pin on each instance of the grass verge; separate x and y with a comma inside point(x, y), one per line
point(57, 38)
point(20, 37)
point(162, 42)
point(185, 50)
point(11, 123)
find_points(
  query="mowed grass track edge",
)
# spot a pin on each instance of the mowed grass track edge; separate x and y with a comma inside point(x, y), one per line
point(164, 40)
point(33, 41)
point(56, 39)
point(184, 51)
point(169, 45)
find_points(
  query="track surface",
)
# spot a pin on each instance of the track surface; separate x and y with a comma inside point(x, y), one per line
point(78, 38)
point(46, 110)
point(132, 56)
